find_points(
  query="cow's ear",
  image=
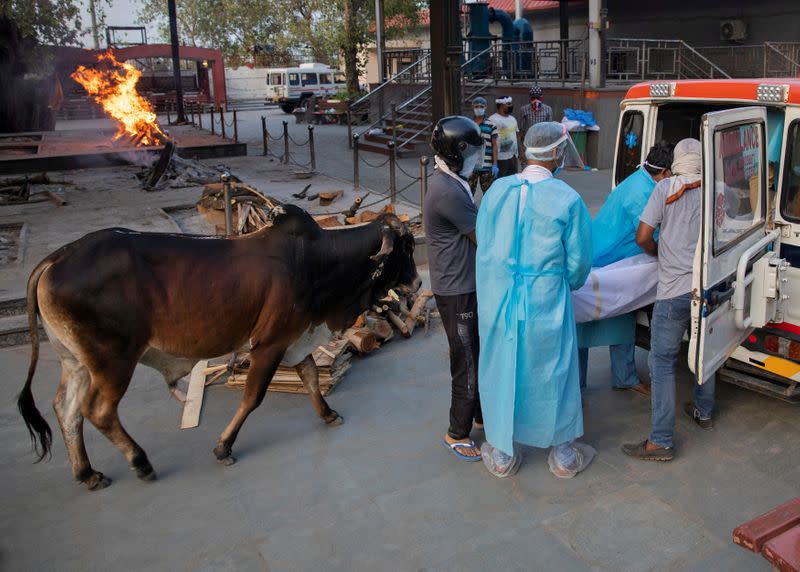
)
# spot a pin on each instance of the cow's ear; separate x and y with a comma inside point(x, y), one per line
point(387, 245)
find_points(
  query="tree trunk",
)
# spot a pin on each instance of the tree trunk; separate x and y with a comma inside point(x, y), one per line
point(350, 46)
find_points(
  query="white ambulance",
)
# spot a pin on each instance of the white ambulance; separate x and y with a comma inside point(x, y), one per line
point(290, 87)
point(745, 324)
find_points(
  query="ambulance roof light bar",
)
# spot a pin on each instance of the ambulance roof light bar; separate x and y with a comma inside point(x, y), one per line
point(662, 89)
point(773, 93)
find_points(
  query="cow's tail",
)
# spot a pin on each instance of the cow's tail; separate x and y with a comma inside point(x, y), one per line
point(41, 435)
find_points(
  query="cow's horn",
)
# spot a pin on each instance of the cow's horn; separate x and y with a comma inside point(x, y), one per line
point(387, 245)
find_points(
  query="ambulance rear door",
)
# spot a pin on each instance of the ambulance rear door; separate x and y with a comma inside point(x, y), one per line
point(736, 278)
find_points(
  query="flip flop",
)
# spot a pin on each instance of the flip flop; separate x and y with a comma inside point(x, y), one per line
point(453, 447)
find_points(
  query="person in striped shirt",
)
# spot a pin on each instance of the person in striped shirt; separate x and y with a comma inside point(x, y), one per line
point(486, 170)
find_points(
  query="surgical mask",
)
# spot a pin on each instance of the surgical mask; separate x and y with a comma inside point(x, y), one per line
point(479, 111)
point(560, 167)
point(470, 161)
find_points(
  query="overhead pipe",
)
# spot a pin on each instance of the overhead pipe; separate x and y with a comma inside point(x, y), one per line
point(523, 44)
point(507, 25)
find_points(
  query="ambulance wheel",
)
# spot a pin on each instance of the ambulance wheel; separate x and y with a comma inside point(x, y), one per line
point(288, 107)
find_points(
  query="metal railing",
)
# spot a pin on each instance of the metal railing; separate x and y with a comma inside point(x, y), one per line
point(641, 59)
point(284, 143)
point(376, 103)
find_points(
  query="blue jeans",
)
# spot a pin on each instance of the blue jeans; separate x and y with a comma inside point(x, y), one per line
point(623, 366)
point(671, 319)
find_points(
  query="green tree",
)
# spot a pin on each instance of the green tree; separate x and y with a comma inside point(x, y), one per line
point(54, 22)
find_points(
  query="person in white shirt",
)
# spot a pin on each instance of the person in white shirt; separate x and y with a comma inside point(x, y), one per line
point(508, 134)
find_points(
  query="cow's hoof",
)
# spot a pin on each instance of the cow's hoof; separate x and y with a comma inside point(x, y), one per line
point(334, 419)
point(97, 481)
point(145, 473)
point(227, 461)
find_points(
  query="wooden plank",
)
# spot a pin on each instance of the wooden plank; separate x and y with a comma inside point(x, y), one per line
point(194, 396)
point(753, 534)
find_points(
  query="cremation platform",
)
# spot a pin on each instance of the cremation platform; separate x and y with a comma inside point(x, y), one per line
point(82, 148)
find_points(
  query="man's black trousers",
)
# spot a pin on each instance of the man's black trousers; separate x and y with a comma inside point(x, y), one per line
point(460, 319)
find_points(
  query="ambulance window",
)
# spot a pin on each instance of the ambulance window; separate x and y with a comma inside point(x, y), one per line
point(309, 78)
point(276, 79)
point(338, 77)
point(629, 153)
point(738, 178)
point(325, 78)
point(294, 79)
point(790, 198)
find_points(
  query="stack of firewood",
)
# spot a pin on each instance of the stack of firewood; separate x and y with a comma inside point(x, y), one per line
point(394, 313)
point(371, 330)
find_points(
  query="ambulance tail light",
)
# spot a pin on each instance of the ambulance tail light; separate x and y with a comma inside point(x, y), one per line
point(662, 89)
point(783, 347)
point(772, 93)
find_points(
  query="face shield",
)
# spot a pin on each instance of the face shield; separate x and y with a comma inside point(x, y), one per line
point(470, 155)
point(550, 141)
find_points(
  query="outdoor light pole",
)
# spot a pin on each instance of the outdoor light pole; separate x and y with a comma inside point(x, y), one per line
point(176, 62)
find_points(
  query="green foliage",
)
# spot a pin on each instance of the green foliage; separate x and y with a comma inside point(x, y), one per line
point(54, 22)
point(333, 31)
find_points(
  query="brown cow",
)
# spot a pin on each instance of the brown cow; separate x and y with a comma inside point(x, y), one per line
point(117, 297)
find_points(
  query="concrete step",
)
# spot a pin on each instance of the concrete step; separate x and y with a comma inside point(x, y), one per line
point(14, 331)
point(13, 307)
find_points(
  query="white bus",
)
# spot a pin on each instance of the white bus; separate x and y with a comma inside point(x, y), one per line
point(290, 87)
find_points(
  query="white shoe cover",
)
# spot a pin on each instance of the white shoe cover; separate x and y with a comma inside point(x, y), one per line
point(498, 463)
point(569, 459)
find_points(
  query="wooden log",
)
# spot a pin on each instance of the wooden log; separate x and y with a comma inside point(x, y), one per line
point(380, 328)
point(361, 321)
point(328, 221)
point(398, 323)
point(368, 216)
point(351, 212)
point(416, 309)
point(362, 340)
point(327, 198)
point(194, 396)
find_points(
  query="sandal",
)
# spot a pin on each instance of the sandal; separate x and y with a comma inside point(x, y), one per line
point(454, 448)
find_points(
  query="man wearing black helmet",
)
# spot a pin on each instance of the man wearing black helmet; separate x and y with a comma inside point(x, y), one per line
point(449, 218)
point(536, 112)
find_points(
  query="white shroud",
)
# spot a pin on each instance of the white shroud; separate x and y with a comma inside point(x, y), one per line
point(617, 289)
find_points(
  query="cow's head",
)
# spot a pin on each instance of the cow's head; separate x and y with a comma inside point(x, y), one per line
point(395, 259)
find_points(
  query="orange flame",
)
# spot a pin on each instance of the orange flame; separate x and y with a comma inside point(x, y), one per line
point(112, 84)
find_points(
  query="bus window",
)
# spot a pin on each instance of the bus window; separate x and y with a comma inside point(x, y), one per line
point(309, 78)
point(325, 78)
point(629, 153)
point(790, 197)
point(276, 79)
point(294, 79)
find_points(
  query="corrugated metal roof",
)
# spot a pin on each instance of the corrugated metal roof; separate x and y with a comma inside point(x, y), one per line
point(510, 6)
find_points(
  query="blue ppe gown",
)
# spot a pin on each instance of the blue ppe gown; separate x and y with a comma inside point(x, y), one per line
point(529, 257)
point(614, 238)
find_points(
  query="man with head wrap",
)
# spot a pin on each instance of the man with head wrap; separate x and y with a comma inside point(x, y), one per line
point(507, 130)
point(673, 209)
point(534, 247)
point(450, 214)
point(614, 238)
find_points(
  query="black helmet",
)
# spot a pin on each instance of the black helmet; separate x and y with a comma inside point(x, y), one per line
point(452, 137)
point(536, 92)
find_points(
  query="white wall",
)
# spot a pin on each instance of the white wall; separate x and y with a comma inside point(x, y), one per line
point(246, 83)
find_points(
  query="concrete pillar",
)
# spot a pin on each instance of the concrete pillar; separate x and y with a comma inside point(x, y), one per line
point(445, 58)
point(595, 45)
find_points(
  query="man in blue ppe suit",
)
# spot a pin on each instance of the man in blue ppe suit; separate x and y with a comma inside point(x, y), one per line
point(534, 247)
point(614, 238)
